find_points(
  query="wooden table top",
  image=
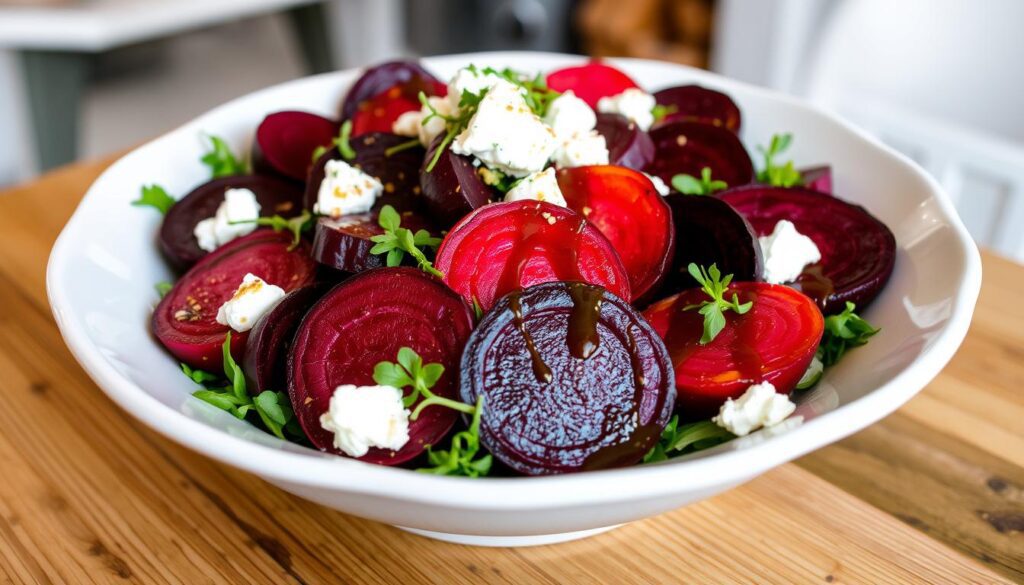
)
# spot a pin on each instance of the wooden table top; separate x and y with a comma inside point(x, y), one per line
point(933, 493)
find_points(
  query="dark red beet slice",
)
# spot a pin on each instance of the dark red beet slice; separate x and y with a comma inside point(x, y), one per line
point(694, 103)
point(573, 379)
point(857, 251)
point(177, 240)
point(452, 188)
point(709, 231)
point(270, 340)
point(508, 246)
point(688, 147)
point(285, 142)
point(628, 145)
point(185, 320)
point(377, 80)
point(624, 205)
point(400, 172)
point(366, 320)
point(344, 243)
point(590, 82)
point(772, 342)
point(818, 178)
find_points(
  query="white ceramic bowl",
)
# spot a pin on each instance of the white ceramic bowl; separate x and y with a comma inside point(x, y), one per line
point(102, 270)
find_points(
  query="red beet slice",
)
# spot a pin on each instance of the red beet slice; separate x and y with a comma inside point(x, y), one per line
point(344, 243)
point(185, 320)
point(624, 205)
point(285, 142)
point(270, 340)
point(688, 147)
point(590, 82)
point(377, 80)
point(628, 145)
point(857, 251)
point(366, 320)
point(508, 246)
point(453, 187)
point(818, 178)
point(573, 379)
point(772, 342)
point(177, 240)
point(709, 231)
point(694, 103)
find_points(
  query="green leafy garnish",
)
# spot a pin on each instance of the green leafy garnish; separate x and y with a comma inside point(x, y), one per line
point(162, 288)
point(812, 375)
point(341, 141)
point(155, 196)
point(397, 241)
point(454, 124)
point(774, 174)
point(661, 111)
point(401, 146)
point(842, 332)
point(296, 225)
point(221, 160)
point(536, 92)
point(688, 438)
point(461, 456)
point(715, 286)
point(705, 185)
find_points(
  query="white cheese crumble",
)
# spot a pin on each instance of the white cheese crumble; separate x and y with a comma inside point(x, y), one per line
point(251, 300)
point(366, 416)
point(570, 116)
point(542, 186)
point(474, 82)
point(346, 190)
point(635, 104)
point(659, 185)
point(238, 205)
point(506, 135)
point(760, 406)
point(581, 150)
point(411, 123)
point(786, 253)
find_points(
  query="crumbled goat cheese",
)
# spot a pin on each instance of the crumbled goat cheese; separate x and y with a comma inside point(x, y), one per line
point(253, 299)
point(366, 416)
point(786, 253)
point(635, 104)
point(346, 190)
point(542, 186)
point(760, 406)
point(239, 205)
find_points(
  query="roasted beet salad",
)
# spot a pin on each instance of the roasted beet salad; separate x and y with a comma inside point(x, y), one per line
point(513, 273)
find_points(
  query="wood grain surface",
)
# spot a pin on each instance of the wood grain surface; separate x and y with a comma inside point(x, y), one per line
point(932, 494)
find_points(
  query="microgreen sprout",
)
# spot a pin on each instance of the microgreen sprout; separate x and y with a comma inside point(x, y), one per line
point(454, 124)
point(715, 286)
point(843, 332)
point(662, 111)
point(162, 288)
point(774, 174)
point(341, 141)
point(705, 185)
point(296, 225)
point(397, 241)
point(221, 160)
point(156, 197)
point(679, 439)
point(401, 147)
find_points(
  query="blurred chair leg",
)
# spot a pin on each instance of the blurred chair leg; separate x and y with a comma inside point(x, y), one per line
point(53, 84)
point(310, 26)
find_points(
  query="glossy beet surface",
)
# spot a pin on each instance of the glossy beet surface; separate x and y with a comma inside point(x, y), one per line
point(709, 231)
point(591, 81)
point(285, 142)
point(177, 240)
point(270, 340)
point(818, 178)
point(344, 243)
point(377, 80)
point(688, 147)
point(693, 103)
point(366, 320)
point(185, 320)
point(453, 187)
point(572, 377)
point(857, 251)
point(628, 145)
point(772, 342)
point(626, 208)
point(507, 246)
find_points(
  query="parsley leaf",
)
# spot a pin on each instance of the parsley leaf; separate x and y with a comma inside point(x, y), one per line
point(778, 175)
point(690, 185)
point(162, 288)
point(297, 225)
point(661, 111)
point(397, 241)
point(454, 124)
point(843, 332)
point(411, 371)
point(155, 196)
point(715, 286)
point(461, 456)
point(341, 141)
point(221, 160)
point(688, 438)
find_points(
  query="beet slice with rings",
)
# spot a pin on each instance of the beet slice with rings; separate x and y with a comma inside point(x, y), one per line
point(270, 340)
point(628, 145)
point(772, 342)
point(285, 142)
point(694, 103)
point(453, 187)
point(818, 178)
point(508, 246)
point(857, 250)
point(398, 172)
point(185, 321)
point(688, 147)
point(379, 79)
point(591, 81)
point(624, 205)
point(709, 231)
point(344, 243)
point(366, 320)
point(572, 377)
point(177, 240)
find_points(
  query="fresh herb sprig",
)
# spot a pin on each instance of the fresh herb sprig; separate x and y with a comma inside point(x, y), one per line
point(341, 141)
point(662, 111)
point(461, 456)
point(715, 286)
point(843, 332)
point(778, 175)
point(705, 185)
point(297, 225)
point(469, 103)
point(536, 92)
point(163, 287)
point(156, 197)
point(397, 241)
point(679, 439)
point(221, 160)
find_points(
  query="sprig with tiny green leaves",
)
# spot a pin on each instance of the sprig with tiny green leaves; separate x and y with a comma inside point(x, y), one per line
point(163, 287)
point(221, 160)
point(397, 241)
point(229, 393)
point(774, 174)
point(461, 456)
point(296, 225)
point(662, 111)
point(341, 142)
point(536, 92)
point(469, 103)
point(679, 439)
point(705, 185)
point(715, 286)
point(843, 332)
point(156, 197)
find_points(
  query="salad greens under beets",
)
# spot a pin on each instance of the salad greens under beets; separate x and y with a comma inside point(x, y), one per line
point(532, 321)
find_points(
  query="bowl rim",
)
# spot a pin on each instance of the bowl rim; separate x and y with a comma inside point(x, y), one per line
point(510, 493)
